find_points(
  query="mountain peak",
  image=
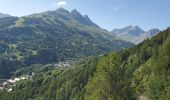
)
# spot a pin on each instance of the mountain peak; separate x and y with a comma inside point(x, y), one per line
point(82, 19)
point(75, 10)
point(135, 27)
point(153, 31)
point(62, 10)
point(129, 30)
point(76, 13)
point(86, 17)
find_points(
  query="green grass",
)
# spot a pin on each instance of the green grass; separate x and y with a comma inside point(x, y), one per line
point(34, 53)
point(19, 22)
point(12, 46)
point(18, 56)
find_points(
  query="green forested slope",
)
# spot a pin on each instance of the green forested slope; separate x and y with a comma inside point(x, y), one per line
point(139, 72)
point(51, 37)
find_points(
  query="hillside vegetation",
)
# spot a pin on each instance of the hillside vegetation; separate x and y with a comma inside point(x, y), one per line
point(51, 37)
point(139, 72)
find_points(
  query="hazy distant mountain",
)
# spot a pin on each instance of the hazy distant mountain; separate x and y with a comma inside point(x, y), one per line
point(134, 33)
point(4, 15)
point(53, 36)
point(148, 34)
point(153, 32)
point(129, 30)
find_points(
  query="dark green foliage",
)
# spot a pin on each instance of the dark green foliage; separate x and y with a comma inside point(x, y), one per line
point(54, 84)
point(142, 72)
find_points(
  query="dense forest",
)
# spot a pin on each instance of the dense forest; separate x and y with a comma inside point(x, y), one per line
point(141, 72)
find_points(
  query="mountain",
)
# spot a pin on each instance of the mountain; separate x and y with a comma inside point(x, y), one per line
point(82, 19)
point(138, 73)
point(148, 34)
point(51, 37)
point(4, 15)
point(7, 21)
point(134, 33)
point(129, 30)
point(153, 32)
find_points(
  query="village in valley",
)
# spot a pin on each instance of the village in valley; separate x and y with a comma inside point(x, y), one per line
point(8, 84)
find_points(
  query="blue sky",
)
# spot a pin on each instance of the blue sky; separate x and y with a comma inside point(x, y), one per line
point(108, 14)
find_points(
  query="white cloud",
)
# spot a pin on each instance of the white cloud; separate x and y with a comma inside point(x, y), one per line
point(116, 9)
point(61, 3)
